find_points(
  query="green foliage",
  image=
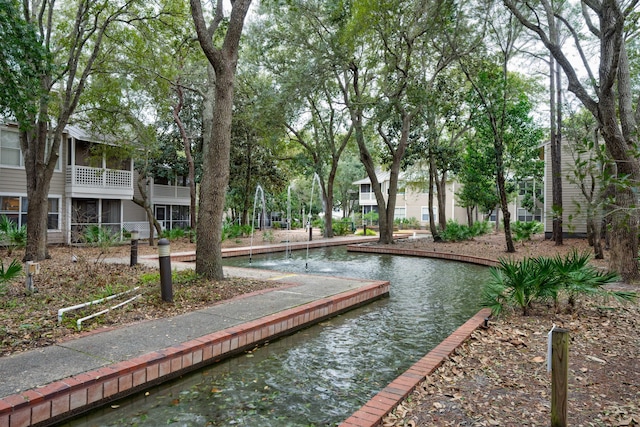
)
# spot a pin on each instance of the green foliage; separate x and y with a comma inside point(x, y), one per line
point(407, 222)
point(22, 59)
point(342, 227)
point(11, 235)
point(371, 217)
point(370, 232)
point(9, 273)
point(523, 230)
point(232, 231)
point(99, 237)
point(456, 232)
point(521, 283)
point(175, 233)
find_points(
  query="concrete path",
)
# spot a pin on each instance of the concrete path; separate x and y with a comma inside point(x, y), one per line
point(46, 385)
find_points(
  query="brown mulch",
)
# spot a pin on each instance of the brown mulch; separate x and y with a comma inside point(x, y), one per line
point(497, 378)
point(75, 275)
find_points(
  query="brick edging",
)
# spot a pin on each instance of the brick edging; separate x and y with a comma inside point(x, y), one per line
point(422, 253)
point(70, 396)
point(373, 412)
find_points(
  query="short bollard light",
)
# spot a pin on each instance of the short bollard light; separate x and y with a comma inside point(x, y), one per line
point(32, 269)
point(135, 236)
point(164, 257)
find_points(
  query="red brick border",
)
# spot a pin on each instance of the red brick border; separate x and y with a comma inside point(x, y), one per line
point(422, 253)
point(372, 413)
point(61, 399)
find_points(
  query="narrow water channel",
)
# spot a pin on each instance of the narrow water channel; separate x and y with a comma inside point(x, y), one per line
point(320, 375)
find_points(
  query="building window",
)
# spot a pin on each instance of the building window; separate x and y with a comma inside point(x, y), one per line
point(179, 216)
point(365, 188)
point(10, 154)
point(172, 216)
point(526, 216)
point(424, 214)
point(15, 208)
point(400, 213)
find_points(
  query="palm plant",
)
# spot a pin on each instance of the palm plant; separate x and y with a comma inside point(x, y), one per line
point(519, 283)
point(11, 235)
point(578, 277)
point(11, 272)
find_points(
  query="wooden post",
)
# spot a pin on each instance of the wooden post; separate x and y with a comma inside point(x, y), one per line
point(559, 376)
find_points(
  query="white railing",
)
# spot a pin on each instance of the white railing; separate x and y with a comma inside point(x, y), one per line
point(84, 176)
point(171, 191)
point(367, 197)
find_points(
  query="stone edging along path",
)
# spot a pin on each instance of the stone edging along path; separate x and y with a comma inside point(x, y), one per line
point(379, 406)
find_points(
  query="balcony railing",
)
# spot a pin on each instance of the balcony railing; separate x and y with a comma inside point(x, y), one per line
point(367, 198)
point(83, 176)
point(171, 191)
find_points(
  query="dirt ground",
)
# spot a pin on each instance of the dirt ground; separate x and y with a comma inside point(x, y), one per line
point(497, 378)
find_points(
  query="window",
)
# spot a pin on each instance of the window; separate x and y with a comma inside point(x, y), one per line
point(400, 213)
point(522, 188)
point(10, 154)
point(10, 151)
point(10, 207)
point(111, 215)
point(15, 208)
point(53, 215)
point(424, 215)
point(365, 188)
point(179, 216)
point(526, 216)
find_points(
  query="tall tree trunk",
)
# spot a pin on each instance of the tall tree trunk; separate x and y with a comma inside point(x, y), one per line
point(216, 157)
point(39, 171)
point(186, 143)
point(556, 153)
point(441, 193)
point(432, 221)
point(144, 204)
point(504, 204)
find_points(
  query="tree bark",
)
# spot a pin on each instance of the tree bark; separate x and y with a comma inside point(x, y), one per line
point(216, 151)
point(556, 153)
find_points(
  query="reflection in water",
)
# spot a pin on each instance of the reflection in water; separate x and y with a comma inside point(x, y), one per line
point(320, 375)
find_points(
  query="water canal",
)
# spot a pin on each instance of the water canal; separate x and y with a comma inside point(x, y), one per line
point(320, 375)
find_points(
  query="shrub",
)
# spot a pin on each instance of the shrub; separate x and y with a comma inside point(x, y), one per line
point(232, 231)
point(99, 237)
point(11, 272)
point(372, 217)
point(370, 232)
point(174, 233)
point(521, 283)
point(524, 230)
point(457, 232)
point(342, 227)
point(11, 235)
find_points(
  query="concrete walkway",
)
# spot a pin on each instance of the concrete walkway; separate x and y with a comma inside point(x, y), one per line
point(46, 385)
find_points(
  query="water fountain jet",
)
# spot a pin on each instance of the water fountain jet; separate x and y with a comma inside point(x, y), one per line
point(253, 216)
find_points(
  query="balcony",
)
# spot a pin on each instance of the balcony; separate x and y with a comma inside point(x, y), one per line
point(367, 199)
point(83, 181)
point(170, 194)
